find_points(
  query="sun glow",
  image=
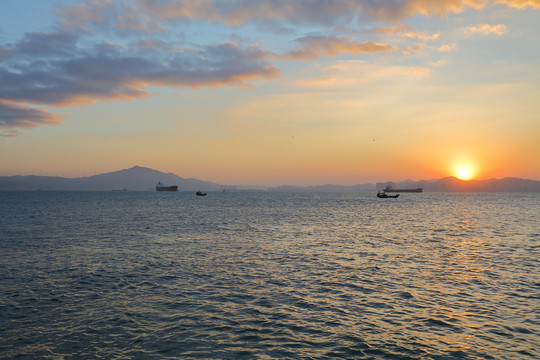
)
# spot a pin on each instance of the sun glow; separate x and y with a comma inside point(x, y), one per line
point(464, 172)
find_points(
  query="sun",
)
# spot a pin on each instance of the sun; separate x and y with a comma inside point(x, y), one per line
point(464, 172)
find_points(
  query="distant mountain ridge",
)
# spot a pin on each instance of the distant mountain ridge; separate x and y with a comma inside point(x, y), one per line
point(136, 178)
point(453, 184)
point(447, 184)
point(139, 178)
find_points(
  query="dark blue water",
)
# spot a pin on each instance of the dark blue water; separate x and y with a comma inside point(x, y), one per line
point(144, 275)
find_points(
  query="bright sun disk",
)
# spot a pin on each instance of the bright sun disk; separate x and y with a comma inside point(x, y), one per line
point(464, 172)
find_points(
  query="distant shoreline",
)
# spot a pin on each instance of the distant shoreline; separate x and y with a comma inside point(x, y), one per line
point(144, 179)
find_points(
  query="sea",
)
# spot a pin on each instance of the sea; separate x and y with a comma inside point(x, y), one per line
point(269, 275)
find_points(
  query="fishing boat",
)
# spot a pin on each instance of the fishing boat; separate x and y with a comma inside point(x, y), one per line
point(383, 195)
point(161, 187)
point(390, 189)
point(200, 193)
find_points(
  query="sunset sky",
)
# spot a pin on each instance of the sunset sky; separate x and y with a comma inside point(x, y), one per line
point(271, 92)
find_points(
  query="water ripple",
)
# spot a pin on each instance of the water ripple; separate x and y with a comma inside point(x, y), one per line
point(269, 275)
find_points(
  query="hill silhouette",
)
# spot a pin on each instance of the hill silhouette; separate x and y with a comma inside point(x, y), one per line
point(136, 178)
point(453, 184)
point(490, 185)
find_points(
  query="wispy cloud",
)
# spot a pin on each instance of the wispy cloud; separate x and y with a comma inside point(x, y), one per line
point(152, 16)
point(413, 49)
point(14, 115)
point(407, 32)
point(399, 10)
point(314, 47)
point(520, 4)
point(355, 73)
point(100, 15)
point(447, 48)
point(486, 29)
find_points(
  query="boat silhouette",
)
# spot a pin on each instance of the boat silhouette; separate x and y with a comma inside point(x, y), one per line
point(383, 195)
point(161, 187)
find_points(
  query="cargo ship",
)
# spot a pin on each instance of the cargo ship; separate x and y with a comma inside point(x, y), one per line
point(161, 187)
point(390, 189)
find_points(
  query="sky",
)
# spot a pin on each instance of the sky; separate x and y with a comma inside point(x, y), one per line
point(271, 92)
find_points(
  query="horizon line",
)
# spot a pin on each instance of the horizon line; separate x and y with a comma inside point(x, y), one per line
point(280, 185)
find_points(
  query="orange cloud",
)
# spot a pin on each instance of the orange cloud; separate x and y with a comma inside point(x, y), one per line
point(314, 47)
point(486, 29)
point(441, 8)
point(447, 48)
point(520, 4)
point(14, 115)
point(413, 49)
point(406, 31)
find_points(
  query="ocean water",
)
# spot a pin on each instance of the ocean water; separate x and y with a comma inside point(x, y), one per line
point(262, 275)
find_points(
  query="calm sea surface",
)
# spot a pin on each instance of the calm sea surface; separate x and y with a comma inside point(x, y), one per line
point(147, 275)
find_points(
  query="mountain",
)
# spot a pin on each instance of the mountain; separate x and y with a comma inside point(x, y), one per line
point(136, 178)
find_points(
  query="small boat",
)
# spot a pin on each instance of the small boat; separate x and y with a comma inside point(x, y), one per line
point(200, 193)
point(383, 195)
point(161, 187)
